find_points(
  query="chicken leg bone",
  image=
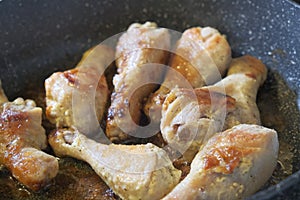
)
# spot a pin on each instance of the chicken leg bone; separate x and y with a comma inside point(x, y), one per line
point(131, 171)
point(21, 138)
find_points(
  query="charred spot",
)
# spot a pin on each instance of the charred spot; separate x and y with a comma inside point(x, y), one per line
point(71, 75)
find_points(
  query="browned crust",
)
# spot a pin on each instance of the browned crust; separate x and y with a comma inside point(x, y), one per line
point(71, 75)
point(238, 144)
point(207, 97)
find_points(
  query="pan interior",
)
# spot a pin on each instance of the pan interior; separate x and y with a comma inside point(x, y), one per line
point(54, 35)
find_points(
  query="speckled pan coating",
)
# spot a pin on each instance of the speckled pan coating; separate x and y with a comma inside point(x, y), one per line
point(39, 37)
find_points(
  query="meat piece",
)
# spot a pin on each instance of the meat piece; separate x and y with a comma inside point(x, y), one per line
point(191, 117)
point(140, 53)
point(201, 58)
point(78, 97)
point(21, 139)
point(3, 97)
point(250, 73)
point(131, 171)
point(232, 165)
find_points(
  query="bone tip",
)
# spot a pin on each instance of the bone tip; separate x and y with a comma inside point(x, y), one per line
point(250, 66)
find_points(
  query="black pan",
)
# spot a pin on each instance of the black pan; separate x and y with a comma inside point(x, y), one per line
point(40, 37)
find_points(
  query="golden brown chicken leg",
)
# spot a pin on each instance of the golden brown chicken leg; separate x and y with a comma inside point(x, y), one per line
point(131, 171)
point(245, 75)
point(140, 54)
point(78, 97)
point(21, 138)
point(201, 58)
point(190, 117)
point(232, 165)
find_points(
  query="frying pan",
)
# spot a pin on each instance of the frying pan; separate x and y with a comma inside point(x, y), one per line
point(40, 37)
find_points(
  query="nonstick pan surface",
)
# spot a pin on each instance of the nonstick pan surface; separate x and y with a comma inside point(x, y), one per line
point(40, 37)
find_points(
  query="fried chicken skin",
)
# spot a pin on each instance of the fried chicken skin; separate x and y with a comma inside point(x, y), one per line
point(21, 139)
point(141, 53)
point(201, 58)
point(232, 165)
point(245, 75)
point(191, 116)
point(78, 97)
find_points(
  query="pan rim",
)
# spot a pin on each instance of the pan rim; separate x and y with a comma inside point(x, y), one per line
point(278, 189)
